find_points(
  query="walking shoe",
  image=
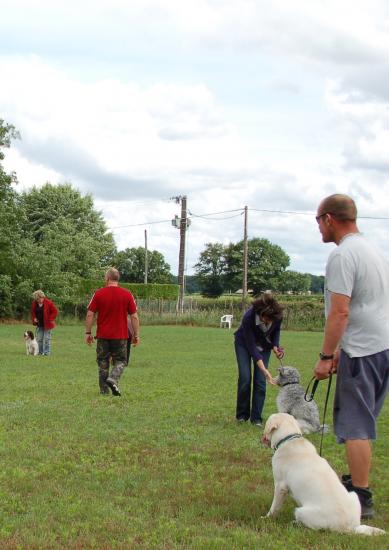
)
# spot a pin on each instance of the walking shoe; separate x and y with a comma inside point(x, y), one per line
point(257, 423)
point(114, 387)
point(366, 499)
point(241, 420)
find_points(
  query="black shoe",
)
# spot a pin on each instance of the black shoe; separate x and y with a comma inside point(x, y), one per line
point(366, 499)
point(114, 388)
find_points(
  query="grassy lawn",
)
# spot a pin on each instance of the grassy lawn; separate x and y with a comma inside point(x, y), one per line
point(163, 466)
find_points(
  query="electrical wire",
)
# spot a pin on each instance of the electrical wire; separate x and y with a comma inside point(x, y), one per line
point(240, 212)
point(139, 224)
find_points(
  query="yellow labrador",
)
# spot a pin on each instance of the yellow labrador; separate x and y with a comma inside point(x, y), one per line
point(298, 469)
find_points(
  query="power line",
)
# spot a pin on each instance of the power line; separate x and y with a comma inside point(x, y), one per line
point(139, 224)
point(240, 212)
point(217, 219)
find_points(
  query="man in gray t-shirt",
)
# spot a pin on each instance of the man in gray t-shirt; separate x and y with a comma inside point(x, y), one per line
point(356, 338)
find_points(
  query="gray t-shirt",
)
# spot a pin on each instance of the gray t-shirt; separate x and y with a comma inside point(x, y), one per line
point(357, 269)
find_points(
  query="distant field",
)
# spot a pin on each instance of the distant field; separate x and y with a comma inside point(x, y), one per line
point(163, 467)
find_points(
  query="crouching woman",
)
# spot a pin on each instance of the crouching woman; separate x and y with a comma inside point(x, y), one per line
point(257, 336)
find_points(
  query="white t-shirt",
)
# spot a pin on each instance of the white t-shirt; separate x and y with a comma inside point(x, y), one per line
point(357, 269)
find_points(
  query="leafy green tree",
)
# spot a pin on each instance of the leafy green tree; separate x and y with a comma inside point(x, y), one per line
point(50, 238)
point(192, 285)
point(293, 281)
point(6, 309)
point(210, 270)
point(50, 204)
point(131, 264)
point(317, 284)
point(211, 287)
point(67, 241)
point(10, 214)
point(266, 263)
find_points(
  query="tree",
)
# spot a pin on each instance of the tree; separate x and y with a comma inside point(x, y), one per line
point(50, 238)
point(65, 239)
point(294, 281)
point(50, 204)
point(131, 264)
point(266, 263)
point(210, 270)
point(10, 214)
point(317, 284)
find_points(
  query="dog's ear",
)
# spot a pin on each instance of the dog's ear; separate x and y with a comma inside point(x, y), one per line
point(271, 425)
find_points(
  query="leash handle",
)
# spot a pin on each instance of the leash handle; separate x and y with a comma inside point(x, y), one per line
point(309, 398)
point(325, 412)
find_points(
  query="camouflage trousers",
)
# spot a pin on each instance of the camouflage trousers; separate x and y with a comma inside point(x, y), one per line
point(110, 353)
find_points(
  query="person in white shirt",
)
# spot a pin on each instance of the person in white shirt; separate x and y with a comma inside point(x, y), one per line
point(356, 338)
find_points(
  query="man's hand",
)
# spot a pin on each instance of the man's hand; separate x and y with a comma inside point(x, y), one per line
point(89, 339)
point(323, 368)
point(135, 340)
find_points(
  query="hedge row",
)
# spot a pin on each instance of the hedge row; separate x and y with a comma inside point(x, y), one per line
point(150, 291)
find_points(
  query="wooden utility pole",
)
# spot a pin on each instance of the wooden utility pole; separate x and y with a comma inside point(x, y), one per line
point(245, 258)
point(146, 258)
point(181, 257)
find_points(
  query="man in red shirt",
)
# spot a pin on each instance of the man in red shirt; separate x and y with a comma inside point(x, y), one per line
point(112, 305)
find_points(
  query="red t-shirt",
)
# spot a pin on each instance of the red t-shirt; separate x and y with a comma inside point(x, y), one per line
point(112, 305)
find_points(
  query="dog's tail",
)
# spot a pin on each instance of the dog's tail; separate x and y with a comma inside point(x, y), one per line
point(368, 530)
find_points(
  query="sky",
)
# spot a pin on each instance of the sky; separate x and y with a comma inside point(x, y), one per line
point(231, 103)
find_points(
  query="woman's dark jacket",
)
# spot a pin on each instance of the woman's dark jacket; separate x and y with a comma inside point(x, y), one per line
point(250, 336)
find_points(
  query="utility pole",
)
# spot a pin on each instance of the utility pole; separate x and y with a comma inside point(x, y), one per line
point(245, 258)
point(146, 258)
point(182, 224)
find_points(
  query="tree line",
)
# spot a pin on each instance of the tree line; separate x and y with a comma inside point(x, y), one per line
point(220, 269)
point(52, 238)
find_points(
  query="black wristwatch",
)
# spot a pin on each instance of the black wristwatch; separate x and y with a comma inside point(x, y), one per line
point(325, 357)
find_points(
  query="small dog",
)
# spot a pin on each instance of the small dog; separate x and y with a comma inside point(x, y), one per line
point(323, 501)
point(291, 400)
point(32, 347)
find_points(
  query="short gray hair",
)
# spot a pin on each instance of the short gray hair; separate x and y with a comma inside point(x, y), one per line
point(112, 274)
point(38, 294)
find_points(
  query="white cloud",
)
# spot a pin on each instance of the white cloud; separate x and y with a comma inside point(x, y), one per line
point(233, 103)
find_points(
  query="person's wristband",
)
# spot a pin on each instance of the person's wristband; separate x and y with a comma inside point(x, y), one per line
point(88, 333)
point(325, 357)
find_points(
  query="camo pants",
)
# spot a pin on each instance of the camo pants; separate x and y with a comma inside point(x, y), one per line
point(110, 351)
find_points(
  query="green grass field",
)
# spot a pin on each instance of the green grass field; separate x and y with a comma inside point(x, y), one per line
point(164, 466)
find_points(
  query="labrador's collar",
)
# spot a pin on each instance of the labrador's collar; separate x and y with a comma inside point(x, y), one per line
point(285, 439)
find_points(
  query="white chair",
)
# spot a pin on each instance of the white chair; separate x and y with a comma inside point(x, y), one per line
point(226, 321)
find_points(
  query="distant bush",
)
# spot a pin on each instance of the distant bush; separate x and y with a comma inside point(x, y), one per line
point(139, 290)
point(5, 296)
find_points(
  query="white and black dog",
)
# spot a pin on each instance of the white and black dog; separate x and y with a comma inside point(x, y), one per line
point(32, 347)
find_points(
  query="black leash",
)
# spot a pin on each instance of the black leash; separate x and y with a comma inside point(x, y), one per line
point(309, 398)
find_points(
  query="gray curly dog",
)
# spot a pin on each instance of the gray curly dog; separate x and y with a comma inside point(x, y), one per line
point(291, 400)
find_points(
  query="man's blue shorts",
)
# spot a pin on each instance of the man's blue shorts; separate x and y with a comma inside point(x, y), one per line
point(361, 386)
